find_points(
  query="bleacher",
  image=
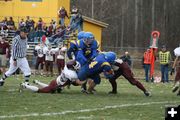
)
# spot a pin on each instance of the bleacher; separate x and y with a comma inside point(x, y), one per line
point(11, 33)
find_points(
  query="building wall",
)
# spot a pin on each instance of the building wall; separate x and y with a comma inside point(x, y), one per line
point(96, 30)
point(47, 9)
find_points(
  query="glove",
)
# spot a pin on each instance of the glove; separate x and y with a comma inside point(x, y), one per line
point(172, 71)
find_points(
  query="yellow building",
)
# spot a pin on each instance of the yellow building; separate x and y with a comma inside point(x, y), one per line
point(47, 10)
point(95, 27)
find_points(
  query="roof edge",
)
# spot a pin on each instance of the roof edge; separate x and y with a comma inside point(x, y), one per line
point(96, 22)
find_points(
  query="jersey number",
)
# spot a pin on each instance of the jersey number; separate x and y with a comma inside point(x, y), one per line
point(93, 64)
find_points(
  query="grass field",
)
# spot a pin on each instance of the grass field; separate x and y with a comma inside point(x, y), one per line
point(129, 104)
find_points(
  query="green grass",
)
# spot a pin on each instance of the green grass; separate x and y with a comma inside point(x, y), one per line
point(26, 103)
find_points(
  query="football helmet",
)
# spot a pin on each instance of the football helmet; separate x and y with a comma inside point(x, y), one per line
point(110, 56)
point(80, 35)
point(88, 37)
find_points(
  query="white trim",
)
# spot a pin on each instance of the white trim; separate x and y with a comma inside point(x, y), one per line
point(86, 110)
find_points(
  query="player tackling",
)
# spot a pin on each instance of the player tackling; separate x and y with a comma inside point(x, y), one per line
point(68, 76)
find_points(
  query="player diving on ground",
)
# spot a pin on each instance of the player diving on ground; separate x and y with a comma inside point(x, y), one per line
point(67, 77)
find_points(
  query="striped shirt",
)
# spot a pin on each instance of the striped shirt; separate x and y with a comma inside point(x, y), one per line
point(19, 47)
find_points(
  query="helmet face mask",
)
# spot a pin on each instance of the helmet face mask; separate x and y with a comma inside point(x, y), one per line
point(88, 38)
point(88, 41)
point(77, 66)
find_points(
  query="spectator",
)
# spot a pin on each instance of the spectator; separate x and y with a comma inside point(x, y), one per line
point(22, 23)
point(3, 24)
point(4, 53)
point(40, 24)
point(146, 62)
point(5, 20)
point(11, 24)
point(29, 23)
point(164, 58)
point(52, 28)
point(53, 22)
point(126, 58)
point(40, 29)
point(59, 36)
point(62, 13)
point(76, 21)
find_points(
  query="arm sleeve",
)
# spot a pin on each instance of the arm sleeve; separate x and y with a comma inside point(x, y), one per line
point(70, 50)
point(94, 50)
point(81, 58)
point(14, 48)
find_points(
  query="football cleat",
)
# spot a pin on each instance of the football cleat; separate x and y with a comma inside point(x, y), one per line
point(148, 94)
point(112, 92)
point(22, 86)
point(1, 82)
point(35, 81)
point(175, 88)
point(59, 89)
point(90, 92)
point(84, 91)
point(178, 93)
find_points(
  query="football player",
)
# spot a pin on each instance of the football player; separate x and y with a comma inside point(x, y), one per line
point(40, 60)
point(74, 45)
point(49, 59)
point(87, 49)
point(122, 68)
point(60, 57)
point(100, 63)
point(176, 65)
point(68, 76)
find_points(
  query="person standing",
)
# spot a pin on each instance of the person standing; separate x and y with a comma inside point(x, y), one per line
point(18, 57)
point(62, 14)
point(147, 63)
point(126, 58)
point(4, 50)
point(60, 57)
point(164, 58)
point(40, 60)
point(76, 20)
point(49, 60)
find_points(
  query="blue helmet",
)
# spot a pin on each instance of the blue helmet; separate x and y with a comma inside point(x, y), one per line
point(80, 35)
point(110, 56)
point(88, 37)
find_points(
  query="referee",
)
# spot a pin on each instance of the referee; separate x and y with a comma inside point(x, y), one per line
point(18, 57)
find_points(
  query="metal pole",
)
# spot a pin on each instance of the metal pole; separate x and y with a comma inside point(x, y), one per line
point(92, 9)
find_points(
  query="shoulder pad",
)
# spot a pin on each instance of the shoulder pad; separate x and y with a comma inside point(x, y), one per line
point(105, 63)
